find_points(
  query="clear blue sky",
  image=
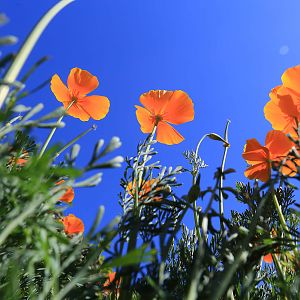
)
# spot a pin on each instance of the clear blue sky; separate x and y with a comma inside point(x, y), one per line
point(227, 55)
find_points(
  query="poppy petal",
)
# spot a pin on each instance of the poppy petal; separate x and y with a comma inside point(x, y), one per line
point(256, 156)
point(81, 82)
point(180, 108)
point(259, 171)
point(288, 106)
point(290, 168)
point(274, 94)
point(72, 224)
point(95, 106)
point(291, 78)
point(252, 145)
point(59, 90)
point(68, 196)
point(254, 152)
point(268, 258)
point(145, 119)
point(156, 100)
point(279, 119)
point(166, 134)
point(278, 143)
point(77, 112)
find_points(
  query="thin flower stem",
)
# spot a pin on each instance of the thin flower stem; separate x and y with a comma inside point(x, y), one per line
point(278, 267)
point(125, 290)
point(221, 200)
point(282, 219)
point(196, 219)
point(199, 144)
point(280, 214)
point(74, 140)
point(141, 168)
point(195, 174)
point(279, 271)
point(44, 147)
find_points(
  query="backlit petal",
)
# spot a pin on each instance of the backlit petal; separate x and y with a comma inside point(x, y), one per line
point(166, 134)
point(95, 106)
point(279, 119)
point(251, 145)
point(288, 104)
point(256, 156)
point(278, 143)
point(72, 224)
point(77, 112)
point(274, 94)
point(68, 196)
point(260, 171)
point(268, 258)
point(290, 168)
point(156, 100)
point(291, 78)
point(81, 82)
point(180, 108)
point(254, 152)
point(144, 117)
point(59, 90)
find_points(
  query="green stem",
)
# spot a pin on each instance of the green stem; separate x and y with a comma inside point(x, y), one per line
point(221, 200)
point(279, 271)
point(195, 174)
point(49, 138)
point(280, 214)
point(74, 140)
point(282, 219)
point(278, 267)
point(196, 219)
point(44, 147)
point(125, 290)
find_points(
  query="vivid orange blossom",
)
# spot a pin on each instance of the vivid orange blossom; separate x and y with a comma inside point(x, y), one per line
point(260, 158)
point(74, 95)
point(162, 108)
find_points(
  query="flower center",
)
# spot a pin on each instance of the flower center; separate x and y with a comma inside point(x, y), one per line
point(74, 98)
point(156, 119)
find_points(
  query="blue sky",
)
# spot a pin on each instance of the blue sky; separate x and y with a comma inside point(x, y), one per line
point(227, 55)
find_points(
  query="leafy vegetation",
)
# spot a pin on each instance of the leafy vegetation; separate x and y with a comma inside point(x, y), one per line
point(148, 252)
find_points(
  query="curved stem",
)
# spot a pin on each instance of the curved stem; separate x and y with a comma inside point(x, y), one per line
point(221, 200)
point(195, 174)
point(199, 143)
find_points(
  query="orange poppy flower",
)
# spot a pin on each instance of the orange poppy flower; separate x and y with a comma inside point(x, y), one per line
point(72, 224)
point(80, 83)
point(283, 110)
point(19, 161)
point(147, 186)
point(161, 108)
point(107, 284)
point(22, 160)
point(111, 279)
point(290, 167)
point(68, 196)
point(260, 158)
point(268, 258)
